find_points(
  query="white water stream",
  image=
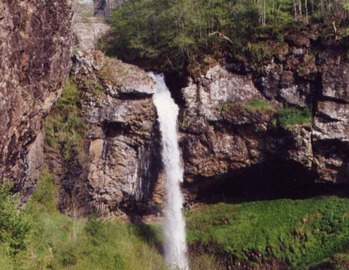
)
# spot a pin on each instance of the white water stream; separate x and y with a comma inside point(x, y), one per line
point(174, 226)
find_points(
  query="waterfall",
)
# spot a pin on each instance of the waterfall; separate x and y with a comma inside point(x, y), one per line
point(174, 226)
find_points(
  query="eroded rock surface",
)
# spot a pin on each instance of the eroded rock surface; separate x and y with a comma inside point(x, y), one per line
point(35, 39)
point(121, 133)
point(223, 136)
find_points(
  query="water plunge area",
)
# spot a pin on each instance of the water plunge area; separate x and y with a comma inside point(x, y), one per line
point(174, 226)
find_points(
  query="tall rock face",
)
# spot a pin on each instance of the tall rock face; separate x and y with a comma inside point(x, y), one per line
point(35, 40)
point(230, 123)
point(88, 28)
point(317, 79)
point(121, 147)
point(230, 131)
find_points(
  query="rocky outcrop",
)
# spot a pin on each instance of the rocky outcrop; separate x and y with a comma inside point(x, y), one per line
point(34, 62)
point(230, 122)
point(317, 80)
point(229, 128)
point(216, 125)
point(331, 122)
point(121, 140)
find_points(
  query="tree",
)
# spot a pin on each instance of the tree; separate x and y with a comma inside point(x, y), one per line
point(15, 225)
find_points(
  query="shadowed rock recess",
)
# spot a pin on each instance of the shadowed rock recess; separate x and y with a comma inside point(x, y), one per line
point(35, 39)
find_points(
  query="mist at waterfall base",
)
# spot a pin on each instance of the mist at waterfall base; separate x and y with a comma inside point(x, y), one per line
point(174, 226)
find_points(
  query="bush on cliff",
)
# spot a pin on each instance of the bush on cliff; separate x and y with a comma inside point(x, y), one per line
point(287, 117)
point(170, 35)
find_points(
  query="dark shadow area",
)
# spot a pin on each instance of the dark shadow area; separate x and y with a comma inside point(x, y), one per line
point(147, 233)
point(268, 181)
point(113, 129)
point(175, 82)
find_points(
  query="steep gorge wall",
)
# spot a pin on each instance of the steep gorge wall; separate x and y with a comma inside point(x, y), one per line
point(118, 165)
point(35, 39)
point(224, 137)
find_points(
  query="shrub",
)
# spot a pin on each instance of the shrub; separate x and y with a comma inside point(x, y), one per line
point(15, 225)
point(287, 117)
point(46, 191)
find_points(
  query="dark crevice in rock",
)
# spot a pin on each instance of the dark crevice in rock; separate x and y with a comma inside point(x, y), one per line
point(317, 90)
point(133, 96)
point(176, 82)
point(324, 118)
point(334, 99)
point(113, 129)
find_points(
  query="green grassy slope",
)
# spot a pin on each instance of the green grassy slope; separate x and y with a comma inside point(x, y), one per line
point(301, 233)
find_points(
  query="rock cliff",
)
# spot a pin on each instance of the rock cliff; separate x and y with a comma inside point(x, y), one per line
point(231, 123)
point(34, 62)
point(236, 125)
point(236, 120)
point(119, 159)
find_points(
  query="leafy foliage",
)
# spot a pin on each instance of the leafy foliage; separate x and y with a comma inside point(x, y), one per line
point(15, 226)
point(288, 116)
point(170, 35)
point(64, 124)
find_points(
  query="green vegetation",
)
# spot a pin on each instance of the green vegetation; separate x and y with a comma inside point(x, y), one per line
point(39, 237)
point(172, 35)
point(15, 227)
point(259, 105)
point(302, 233)
point(287, 117)
point(64, 126)
point(46, 191)
point(64, 243)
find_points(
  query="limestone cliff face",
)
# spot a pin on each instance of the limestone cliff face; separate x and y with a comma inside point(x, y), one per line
point(35, 42)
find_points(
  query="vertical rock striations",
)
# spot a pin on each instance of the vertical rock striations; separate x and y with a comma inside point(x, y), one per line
point(35, 40)
point(121, 141)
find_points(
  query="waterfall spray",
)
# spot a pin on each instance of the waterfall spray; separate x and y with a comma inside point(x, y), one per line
point(174, 227)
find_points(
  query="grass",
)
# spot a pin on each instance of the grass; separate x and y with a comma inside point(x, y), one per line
point(255, 105)
point(61, 242)
point(259, 105)
point(301, 233)
point(287, 117)
point(94, 244)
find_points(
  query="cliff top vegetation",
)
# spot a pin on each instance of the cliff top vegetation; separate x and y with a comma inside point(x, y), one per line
point(172, 35)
